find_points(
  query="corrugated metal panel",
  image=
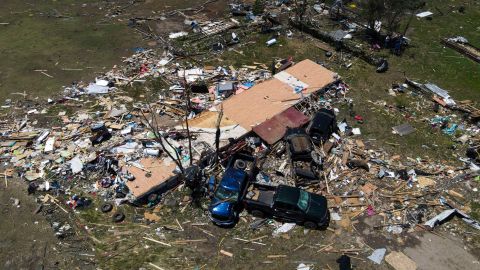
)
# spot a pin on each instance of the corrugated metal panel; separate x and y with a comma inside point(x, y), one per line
point(272, 130)
point(404, 129)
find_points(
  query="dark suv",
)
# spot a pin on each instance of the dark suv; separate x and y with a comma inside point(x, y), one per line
point(322, 126)
point(288, 204)
point(299, 144)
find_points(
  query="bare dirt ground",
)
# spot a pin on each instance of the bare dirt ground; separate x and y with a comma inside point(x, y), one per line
point(441, 253)
point(436, 250)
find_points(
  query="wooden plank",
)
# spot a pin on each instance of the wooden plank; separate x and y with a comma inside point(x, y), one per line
point(465, 49)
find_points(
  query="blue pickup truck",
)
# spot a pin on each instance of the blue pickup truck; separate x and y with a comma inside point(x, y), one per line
point(227, 197)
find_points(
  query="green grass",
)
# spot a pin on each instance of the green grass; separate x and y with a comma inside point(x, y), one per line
point(34, 41)
point(475, 210)
point(257, 51)
point(430, 60)
point(426, 61)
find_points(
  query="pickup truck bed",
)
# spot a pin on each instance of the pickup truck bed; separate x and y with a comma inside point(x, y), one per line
point(261, 194)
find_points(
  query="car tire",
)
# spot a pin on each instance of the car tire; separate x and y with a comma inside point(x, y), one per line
point(106, 207)
point(240, 164)
point(258, 214)
point(118, 217)
point(236, 217)
point(310, 225)
point(326, 223)
point(152, 197)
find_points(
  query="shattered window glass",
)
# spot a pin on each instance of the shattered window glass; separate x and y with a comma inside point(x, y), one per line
point(303, 200)
point(226, 195)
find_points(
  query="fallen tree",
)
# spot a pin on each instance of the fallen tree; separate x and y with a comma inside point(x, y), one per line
point(339, 45)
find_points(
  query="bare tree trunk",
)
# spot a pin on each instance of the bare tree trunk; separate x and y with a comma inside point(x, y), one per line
point(169, 144)
point(187, 113)
point(408, 24)
point(159, 139)
point(217, 133)
point(391, 23)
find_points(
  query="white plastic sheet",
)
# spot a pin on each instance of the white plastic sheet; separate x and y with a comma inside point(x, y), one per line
point(377, 255)
point(76, 165)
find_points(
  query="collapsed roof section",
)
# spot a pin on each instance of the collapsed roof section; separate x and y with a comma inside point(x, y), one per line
point(267, 101)
point(152, 175)
point(266, 109)
point(273, 129)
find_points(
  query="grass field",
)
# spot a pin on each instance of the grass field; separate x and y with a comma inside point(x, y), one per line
point(37, 40)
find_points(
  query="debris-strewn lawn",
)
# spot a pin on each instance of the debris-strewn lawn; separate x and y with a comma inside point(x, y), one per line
point(176, 235)
point(183, 237)
point(426, 60)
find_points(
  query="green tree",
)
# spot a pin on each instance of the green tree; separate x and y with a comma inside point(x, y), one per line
point(300, 8)
point(390, 12)
point(372, 11)
point(396, 11)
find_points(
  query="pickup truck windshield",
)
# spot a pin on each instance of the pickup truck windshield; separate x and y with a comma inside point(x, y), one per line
point(224, 194)
point(303, 200)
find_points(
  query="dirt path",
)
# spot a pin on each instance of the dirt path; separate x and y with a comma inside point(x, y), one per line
point(436, 253)
point(430, 251)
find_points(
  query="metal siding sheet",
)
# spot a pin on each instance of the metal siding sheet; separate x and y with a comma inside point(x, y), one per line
point(273, 129)
point(404, 129)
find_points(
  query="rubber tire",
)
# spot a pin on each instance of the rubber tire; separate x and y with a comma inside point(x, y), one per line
point(258, 214)
point(106, 207)
point(325, 225)
point(152, 197)
point(240, 164)
point(118, 217)
point(310, 225)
